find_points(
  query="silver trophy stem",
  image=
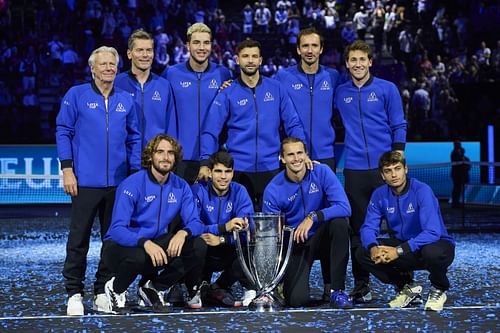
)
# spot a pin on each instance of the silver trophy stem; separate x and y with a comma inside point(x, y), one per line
point(266, 257)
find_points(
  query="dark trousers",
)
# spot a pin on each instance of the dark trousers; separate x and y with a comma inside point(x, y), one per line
point(126, 263)
point(435, 258)
point(255, 183)
point(331, 237)
point(325, 262)
point(85, 206)
point(359, 186)
point(223, 258)
point(188, 170)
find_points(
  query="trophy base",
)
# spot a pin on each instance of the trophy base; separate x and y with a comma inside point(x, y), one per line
point(266, 303)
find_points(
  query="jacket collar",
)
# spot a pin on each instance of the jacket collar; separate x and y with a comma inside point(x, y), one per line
point(153, 179)
point(188, 66)
point(367, 83)
point(243, 84)
point(133, 77)
point(301, 70)
point(97, 91)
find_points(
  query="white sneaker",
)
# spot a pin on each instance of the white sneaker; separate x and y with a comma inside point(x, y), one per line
point(75, 305)
point(436, 300)
point(101, 303)
point(248, 297)
point(116, 301)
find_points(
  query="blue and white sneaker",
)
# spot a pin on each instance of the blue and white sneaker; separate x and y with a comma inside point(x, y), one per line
point(340, 300)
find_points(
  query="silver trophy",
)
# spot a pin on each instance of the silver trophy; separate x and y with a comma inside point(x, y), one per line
point(263, 252)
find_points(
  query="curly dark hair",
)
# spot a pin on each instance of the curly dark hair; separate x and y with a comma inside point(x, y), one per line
point(150, 149)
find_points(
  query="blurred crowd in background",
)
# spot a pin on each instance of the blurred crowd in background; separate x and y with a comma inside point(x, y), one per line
point(443, 55)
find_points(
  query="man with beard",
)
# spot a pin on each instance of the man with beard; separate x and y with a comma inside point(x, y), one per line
point(418, 238)
point(152, 93)
point(373, 117)
point(224, 206)
point(98, 144)
point(253, 108)
point(315, 204)
point(195, 84)
point(139, 240)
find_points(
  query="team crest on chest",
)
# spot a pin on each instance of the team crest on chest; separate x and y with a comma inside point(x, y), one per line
point(372, 97)
point(229, 207)
point(325, 85)
point(171, 198)
point(120, 108)
point(268, 97)
point(213, 84)
point(156, 96)
point(313, 188)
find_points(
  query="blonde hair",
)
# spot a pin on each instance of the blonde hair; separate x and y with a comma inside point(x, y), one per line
point(198, 27)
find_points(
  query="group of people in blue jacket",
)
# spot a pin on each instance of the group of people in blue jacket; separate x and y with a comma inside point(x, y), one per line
point(174, 164)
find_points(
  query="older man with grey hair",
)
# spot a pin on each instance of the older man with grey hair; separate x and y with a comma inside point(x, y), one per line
point(98, 144)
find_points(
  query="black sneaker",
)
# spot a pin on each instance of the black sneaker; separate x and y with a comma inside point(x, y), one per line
point(116, 301)
point(154, 298)
point(361, 294)
point(221, 297)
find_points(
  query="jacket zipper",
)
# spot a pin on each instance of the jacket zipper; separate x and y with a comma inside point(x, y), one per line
point(311, 87)
point(256, 129)
point(159, 211)
point(107, 140)
point(199, 115)
point(363, 127)
point(142, 115)
point(400, 217)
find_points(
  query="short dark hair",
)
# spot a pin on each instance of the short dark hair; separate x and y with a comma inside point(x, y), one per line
point(288, 140)
point(390, 158)
point(222, 157)
point(139, 34)
point(249, 43)
point(150, 149)
point(307, 32)
point(358, 45)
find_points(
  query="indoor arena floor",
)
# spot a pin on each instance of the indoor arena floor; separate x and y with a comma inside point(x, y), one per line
point(32, 295)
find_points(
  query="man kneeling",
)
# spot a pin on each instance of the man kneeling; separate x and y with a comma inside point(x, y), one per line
point(418, 238)
point(140, 239)
point(315, 204)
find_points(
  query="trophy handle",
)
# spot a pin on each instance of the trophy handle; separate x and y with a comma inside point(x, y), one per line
point(239, 251)
point(278, 277)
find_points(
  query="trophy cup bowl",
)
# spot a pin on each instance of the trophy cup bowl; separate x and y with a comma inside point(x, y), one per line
point(263, 252)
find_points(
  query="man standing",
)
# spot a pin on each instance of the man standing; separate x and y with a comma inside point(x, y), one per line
point(139, 240)
point(224, 206)
point(311, 84)
point(252, 109)
point(372, 114)
point(418, 237)
point(195, 84)
point(315, 204)
point(98, 143)
point(311, 88)
point(152, 94)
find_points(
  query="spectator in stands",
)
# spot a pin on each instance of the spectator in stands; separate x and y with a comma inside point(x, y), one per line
point(263, 17)
point(28, 70)
point(459, 172)
point(348, 34)
point(247, 20)
point(281, 19)
point(360, 21)
point(56, 48)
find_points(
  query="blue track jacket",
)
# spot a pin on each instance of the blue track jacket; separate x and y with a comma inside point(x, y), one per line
point(413, 217)
point(373, 119)
point(144, 209)
point(193, 94)
point(154, 103)
point(216, 211)
point(253, 118)
point(312, 96)
point(320, 191)
point(100, 142)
